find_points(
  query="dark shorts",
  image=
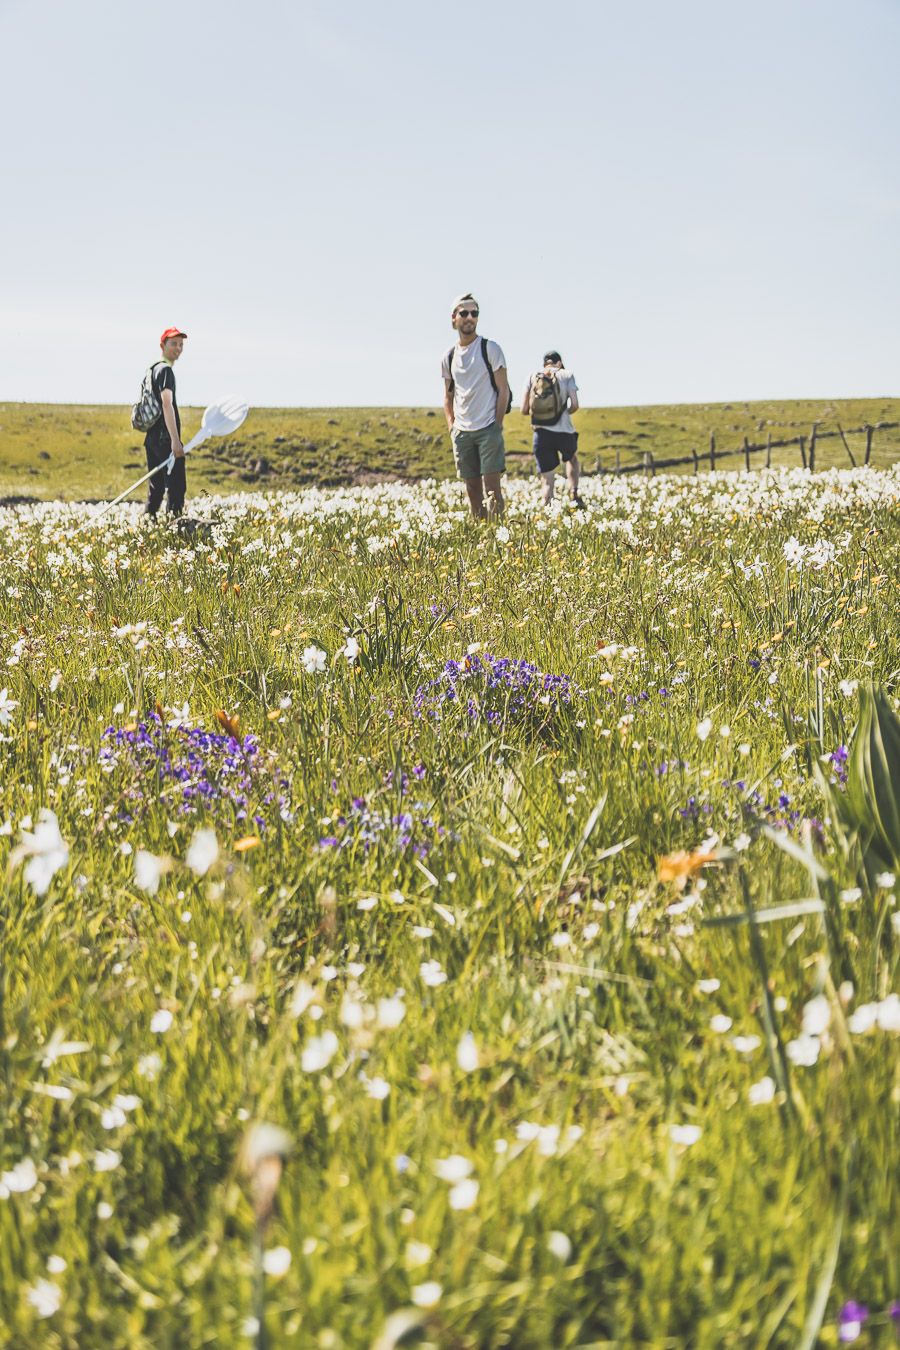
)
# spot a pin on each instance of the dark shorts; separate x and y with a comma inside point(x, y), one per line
point(552, 446)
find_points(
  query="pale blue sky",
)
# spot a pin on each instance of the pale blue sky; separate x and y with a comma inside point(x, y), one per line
point(693, 202)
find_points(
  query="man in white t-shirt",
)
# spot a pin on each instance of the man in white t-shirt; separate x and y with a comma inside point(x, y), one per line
point(550, 396)
point(476, 400)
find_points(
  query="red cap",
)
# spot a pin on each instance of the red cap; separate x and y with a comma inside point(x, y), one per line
point(171, 332)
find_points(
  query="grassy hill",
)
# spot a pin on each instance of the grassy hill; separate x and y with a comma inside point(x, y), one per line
point(73, 451)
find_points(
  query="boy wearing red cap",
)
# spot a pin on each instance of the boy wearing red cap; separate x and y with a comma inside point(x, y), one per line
point(164, 437)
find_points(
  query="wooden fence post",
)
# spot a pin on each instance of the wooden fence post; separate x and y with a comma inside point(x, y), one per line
point(812, 447)
point(696, 459)
point(746, 454)
point(802, 442)
point(712, 450)
point(870, 432)
point(769, 450)
point(846, 444)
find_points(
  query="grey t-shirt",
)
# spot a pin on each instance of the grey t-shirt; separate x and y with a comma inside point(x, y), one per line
point(567, 387)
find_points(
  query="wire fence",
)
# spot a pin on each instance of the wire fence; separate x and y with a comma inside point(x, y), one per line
point(647, 462)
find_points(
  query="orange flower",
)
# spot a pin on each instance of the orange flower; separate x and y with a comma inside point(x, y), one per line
point(231, 724)
point(683, 864)
point(248, 841)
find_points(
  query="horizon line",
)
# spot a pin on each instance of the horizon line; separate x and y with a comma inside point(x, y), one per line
point(436, 407)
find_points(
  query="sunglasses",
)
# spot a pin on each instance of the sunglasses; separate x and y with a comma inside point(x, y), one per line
point(467, 313)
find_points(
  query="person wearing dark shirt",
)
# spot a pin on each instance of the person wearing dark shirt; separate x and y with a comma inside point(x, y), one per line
point(164, 437)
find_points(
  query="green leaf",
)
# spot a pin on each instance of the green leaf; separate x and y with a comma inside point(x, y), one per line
point(796, 851)
point(792, 909)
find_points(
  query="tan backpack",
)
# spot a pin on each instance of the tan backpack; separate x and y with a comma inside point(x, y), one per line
point(548, 402)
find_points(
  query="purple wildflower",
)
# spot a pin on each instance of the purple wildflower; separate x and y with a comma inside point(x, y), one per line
point(838, 761)
point(851, 1319)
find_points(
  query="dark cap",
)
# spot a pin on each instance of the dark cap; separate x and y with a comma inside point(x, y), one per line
point(552, 356)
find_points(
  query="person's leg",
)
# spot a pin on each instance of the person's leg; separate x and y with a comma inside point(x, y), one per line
point(176, 486)
point(156, 486)
point(573, 469)
point(493, 487)
point(475, 493)
point(465, 453)
point(492, 461)
point(547, 458)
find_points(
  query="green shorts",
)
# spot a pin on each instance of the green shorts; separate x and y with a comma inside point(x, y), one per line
point(479, 452)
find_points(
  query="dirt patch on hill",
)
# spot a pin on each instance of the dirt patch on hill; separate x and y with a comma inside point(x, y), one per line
point(372, 477)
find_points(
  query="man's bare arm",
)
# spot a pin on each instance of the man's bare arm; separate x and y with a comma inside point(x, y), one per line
point(502, 380)
point(526, 401)
point(168, 407)
point(448, 403)
point(573, 403)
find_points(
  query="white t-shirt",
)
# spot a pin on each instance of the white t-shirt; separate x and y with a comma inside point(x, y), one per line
point(474, 400)
point(567, 387)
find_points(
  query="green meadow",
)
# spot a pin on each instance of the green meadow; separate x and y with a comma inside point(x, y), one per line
point(417, 933)
point(68, 451)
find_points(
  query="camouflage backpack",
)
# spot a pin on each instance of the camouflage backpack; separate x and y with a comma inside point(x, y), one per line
point(548, 402)
point(148, 409)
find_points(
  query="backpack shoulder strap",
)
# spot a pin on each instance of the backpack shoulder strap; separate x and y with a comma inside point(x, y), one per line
point(450, 362)
point(490, 371)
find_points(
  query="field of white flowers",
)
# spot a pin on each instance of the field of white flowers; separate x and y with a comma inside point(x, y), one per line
point(430, 934)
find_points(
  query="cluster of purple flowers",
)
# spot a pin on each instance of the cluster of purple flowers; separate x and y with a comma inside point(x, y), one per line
point(637, 702)
point(190, 771)
point(645, 700)
point(495, 690)
point(694, 808)
point(368, 823)
point(838, 762)
point(753, 806)
point(780, 814)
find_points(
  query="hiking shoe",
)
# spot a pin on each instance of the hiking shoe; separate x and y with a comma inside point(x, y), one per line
point(578, 502)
